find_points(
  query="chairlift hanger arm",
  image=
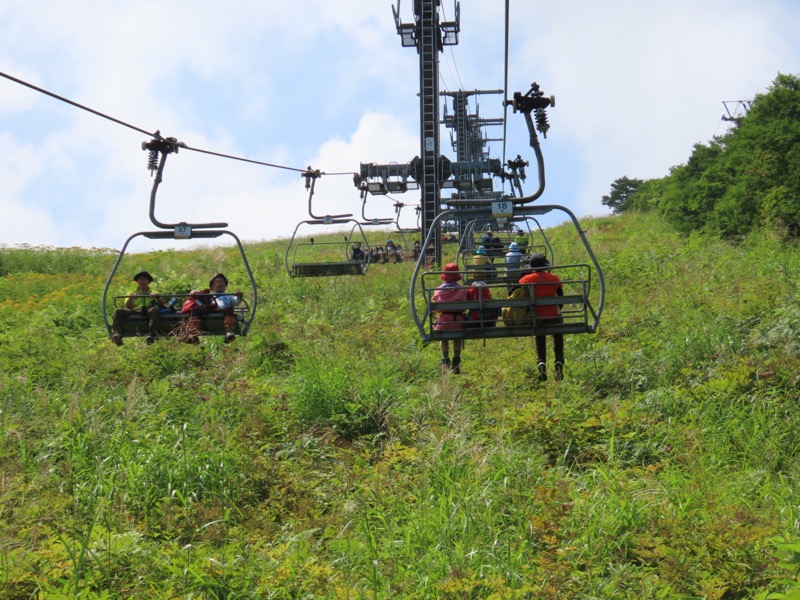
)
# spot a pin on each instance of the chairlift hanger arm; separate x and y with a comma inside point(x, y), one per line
point(367, 220)
point(311, 176)
point(398, 206)
point(534, 102)
point(163, 147)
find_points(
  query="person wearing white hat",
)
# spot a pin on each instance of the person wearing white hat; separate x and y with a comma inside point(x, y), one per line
point(513, 261)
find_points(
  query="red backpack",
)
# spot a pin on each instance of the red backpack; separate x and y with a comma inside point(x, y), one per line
point(477, 317)
point(199, 301)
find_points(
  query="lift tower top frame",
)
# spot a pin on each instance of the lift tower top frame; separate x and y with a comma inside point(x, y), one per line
point(429, 35)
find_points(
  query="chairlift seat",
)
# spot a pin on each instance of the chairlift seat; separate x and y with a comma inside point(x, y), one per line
point(328, 269)
point(211, 323)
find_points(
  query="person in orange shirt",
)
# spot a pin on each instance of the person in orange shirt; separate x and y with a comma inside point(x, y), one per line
point(545, 284)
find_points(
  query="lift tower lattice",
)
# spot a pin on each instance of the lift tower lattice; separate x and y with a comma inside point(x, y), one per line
point(428, 35)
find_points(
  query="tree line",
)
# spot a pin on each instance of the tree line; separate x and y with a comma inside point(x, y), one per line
point(746, 178)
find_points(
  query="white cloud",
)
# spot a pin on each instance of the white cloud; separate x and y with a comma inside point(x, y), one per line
point(638, 85)
point(328, 84)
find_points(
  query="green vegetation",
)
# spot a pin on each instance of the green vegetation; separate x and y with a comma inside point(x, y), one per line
point(325, 455)
point(739, 181)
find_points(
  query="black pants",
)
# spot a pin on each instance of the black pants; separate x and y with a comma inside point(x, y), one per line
point(558, 343)
point(558, 346)
point(153, 315)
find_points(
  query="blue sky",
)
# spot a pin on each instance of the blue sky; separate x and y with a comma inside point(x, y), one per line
point(327, 84)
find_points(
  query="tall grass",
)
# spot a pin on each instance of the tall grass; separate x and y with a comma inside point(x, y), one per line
point(325, 454)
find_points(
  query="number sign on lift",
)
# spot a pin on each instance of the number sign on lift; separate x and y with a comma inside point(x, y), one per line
point(502, 209)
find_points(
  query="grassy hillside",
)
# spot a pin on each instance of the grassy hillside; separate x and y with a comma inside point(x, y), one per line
point(325, 455)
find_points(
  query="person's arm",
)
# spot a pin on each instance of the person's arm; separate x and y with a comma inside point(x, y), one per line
point(158, 299)
point(129, 301)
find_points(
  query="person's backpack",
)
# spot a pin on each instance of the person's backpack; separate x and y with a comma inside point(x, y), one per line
point(486, 317)
point(199, 301)
point(518, 316)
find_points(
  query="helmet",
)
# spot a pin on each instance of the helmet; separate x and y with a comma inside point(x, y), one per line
point(481, 250)
point(513, 246)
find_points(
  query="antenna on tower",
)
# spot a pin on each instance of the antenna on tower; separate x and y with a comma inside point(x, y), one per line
point(735, 110)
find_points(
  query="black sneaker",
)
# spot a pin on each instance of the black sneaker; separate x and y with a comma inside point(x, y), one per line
point(559, 371)
point(117, 339)
point(456, 366)
point(229, 337)
point(542, 372)
point(149, 339)
point(445, 363)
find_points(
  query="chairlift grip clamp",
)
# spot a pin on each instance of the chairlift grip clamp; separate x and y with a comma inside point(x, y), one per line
point(533, 102)
point(158, 146)
point(310, 174)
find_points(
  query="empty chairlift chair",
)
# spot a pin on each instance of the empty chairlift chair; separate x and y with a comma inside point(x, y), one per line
point(307, 257)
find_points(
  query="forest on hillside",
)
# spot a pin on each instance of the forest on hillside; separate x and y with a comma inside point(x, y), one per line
point(739, 181)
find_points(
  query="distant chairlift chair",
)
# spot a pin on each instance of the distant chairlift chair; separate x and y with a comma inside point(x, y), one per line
point(319, 259)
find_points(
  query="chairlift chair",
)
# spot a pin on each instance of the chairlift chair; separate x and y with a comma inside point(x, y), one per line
point(581, 306)
point(212, 323)
point(324, 259)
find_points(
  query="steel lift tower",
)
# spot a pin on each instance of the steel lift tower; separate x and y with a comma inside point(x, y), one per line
point(469, 143)
point(470, 174)
point(429, 36)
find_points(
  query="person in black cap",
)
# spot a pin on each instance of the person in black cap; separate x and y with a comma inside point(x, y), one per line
point(545, 284)
point(142, 302)
point(225, 303)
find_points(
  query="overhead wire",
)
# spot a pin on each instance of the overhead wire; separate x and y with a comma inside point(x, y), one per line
point(452, 55)
point(81, 106)
point(156, 134)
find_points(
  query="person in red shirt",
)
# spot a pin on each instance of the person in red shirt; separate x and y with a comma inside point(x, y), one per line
point(545, 285)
